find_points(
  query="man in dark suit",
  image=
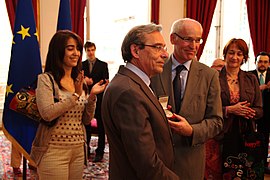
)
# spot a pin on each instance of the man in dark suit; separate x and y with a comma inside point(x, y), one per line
point(136, 126)
point(262, 73)
point(199, 110)
point(94, 71)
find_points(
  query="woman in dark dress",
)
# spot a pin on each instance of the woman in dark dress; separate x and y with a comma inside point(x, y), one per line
point(241, 103)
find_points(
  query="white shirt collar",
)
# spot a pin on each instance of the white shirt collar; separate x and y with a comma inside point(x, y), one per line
point(175, 63)
point(139, 72)
point(264, 73)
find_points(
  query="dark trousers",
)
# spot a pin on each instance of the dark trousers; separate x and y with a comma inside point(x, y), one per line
point(101, 137)
point(266, 140)
point(263, 127)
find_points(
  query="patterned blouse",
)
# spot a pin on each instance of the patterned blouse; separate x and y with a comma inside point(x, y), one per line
point(69, 128)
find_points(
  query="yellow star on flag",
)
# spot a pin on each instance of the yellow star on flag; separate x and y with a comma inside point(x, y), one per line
point(13, 42)
point(36, 34)
point(24, 32)
point(8, 89)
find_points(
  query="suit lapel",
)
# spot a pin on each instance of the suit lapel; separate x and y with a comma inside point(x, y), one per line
point(224, 86)
point(256, 74)
point(96, 66)
point(241, 77)
point(193, 76)
point(86, 67)
point(166, 79)
point(267, 78)
point(144, 88)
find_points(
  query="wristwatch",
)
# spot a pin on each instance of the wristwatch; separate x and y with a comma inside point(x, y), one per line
point(77, 95)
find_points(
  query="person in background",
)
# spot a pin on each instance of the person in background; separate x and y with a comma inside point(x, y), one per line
point(241, 100)
point(213, 161)
point(15, 162)
point(137, 129)
point(218, 64)
point(196, 103)
point(58, 151)
point(262, 72)
point(94, 71)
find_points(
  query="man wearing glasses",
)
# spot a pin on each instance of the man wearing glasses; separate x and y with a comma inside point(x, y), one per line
point(138, 133)
point(194, 96)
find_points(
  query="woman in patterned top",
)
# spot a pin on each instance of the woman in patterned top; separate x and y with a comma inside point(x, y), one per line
point(241, 103)
point(58, 151)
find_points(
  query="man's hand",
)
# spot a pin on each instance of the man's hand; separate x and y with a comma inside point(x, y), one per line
point(89, 81)
point(182, 126)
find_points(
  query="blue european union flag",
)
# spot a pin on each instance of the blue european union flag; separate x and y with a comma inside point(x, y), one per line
point(64, 17)
point(25, 65)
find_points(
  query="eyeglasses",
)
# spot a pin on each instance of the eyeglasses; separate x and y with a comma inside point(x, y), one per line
point(158, 47)
point(189, 39)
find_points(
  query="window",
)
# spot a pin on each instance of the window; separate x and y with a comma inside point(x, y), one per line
point(5, 44)
point(230, 21)
point(108, 31)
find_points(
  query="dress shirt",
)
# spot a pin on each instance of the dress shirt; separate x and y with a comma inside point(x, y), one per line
point(140, 73)
point(183, 73)
point(91, 64)
point(264, 75)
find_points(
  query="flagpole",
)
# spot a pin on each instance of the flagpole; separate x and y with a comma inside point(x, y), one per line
point(24, 168)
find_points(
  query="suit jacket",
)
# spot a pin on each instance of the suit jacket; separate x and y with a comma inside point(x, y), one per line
point(201, 106)
point(266, 101)
point(99, 72)
point(249, 91)
point(235, 126)
point(137, 129)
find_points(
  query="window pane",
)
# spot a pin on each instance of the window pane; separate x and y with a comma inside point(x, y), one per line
point(5, 44)
point(232, 22)
point(109, 23)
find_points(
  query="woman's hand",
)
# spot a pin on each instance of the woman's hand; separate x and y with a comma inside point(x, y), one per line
point(242, 109)
point(79, 83)
point(99, 87)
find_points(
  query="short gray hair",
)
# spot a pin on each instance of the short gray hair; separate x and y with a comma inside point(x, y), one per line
point(137, 36)
point(178, 25)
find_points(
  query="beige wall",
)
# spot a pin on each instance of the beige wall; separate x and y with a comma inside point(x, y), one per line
point(170, 10)
point(48, 21)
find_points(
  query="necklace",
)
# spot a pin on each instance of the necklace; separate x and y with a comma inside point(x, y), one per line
point(232, 79)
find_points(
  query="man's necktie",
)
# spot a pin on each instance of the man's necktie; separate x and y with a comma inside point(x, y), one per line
point(91, 64)
point(177, 88)
point(261, 79)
